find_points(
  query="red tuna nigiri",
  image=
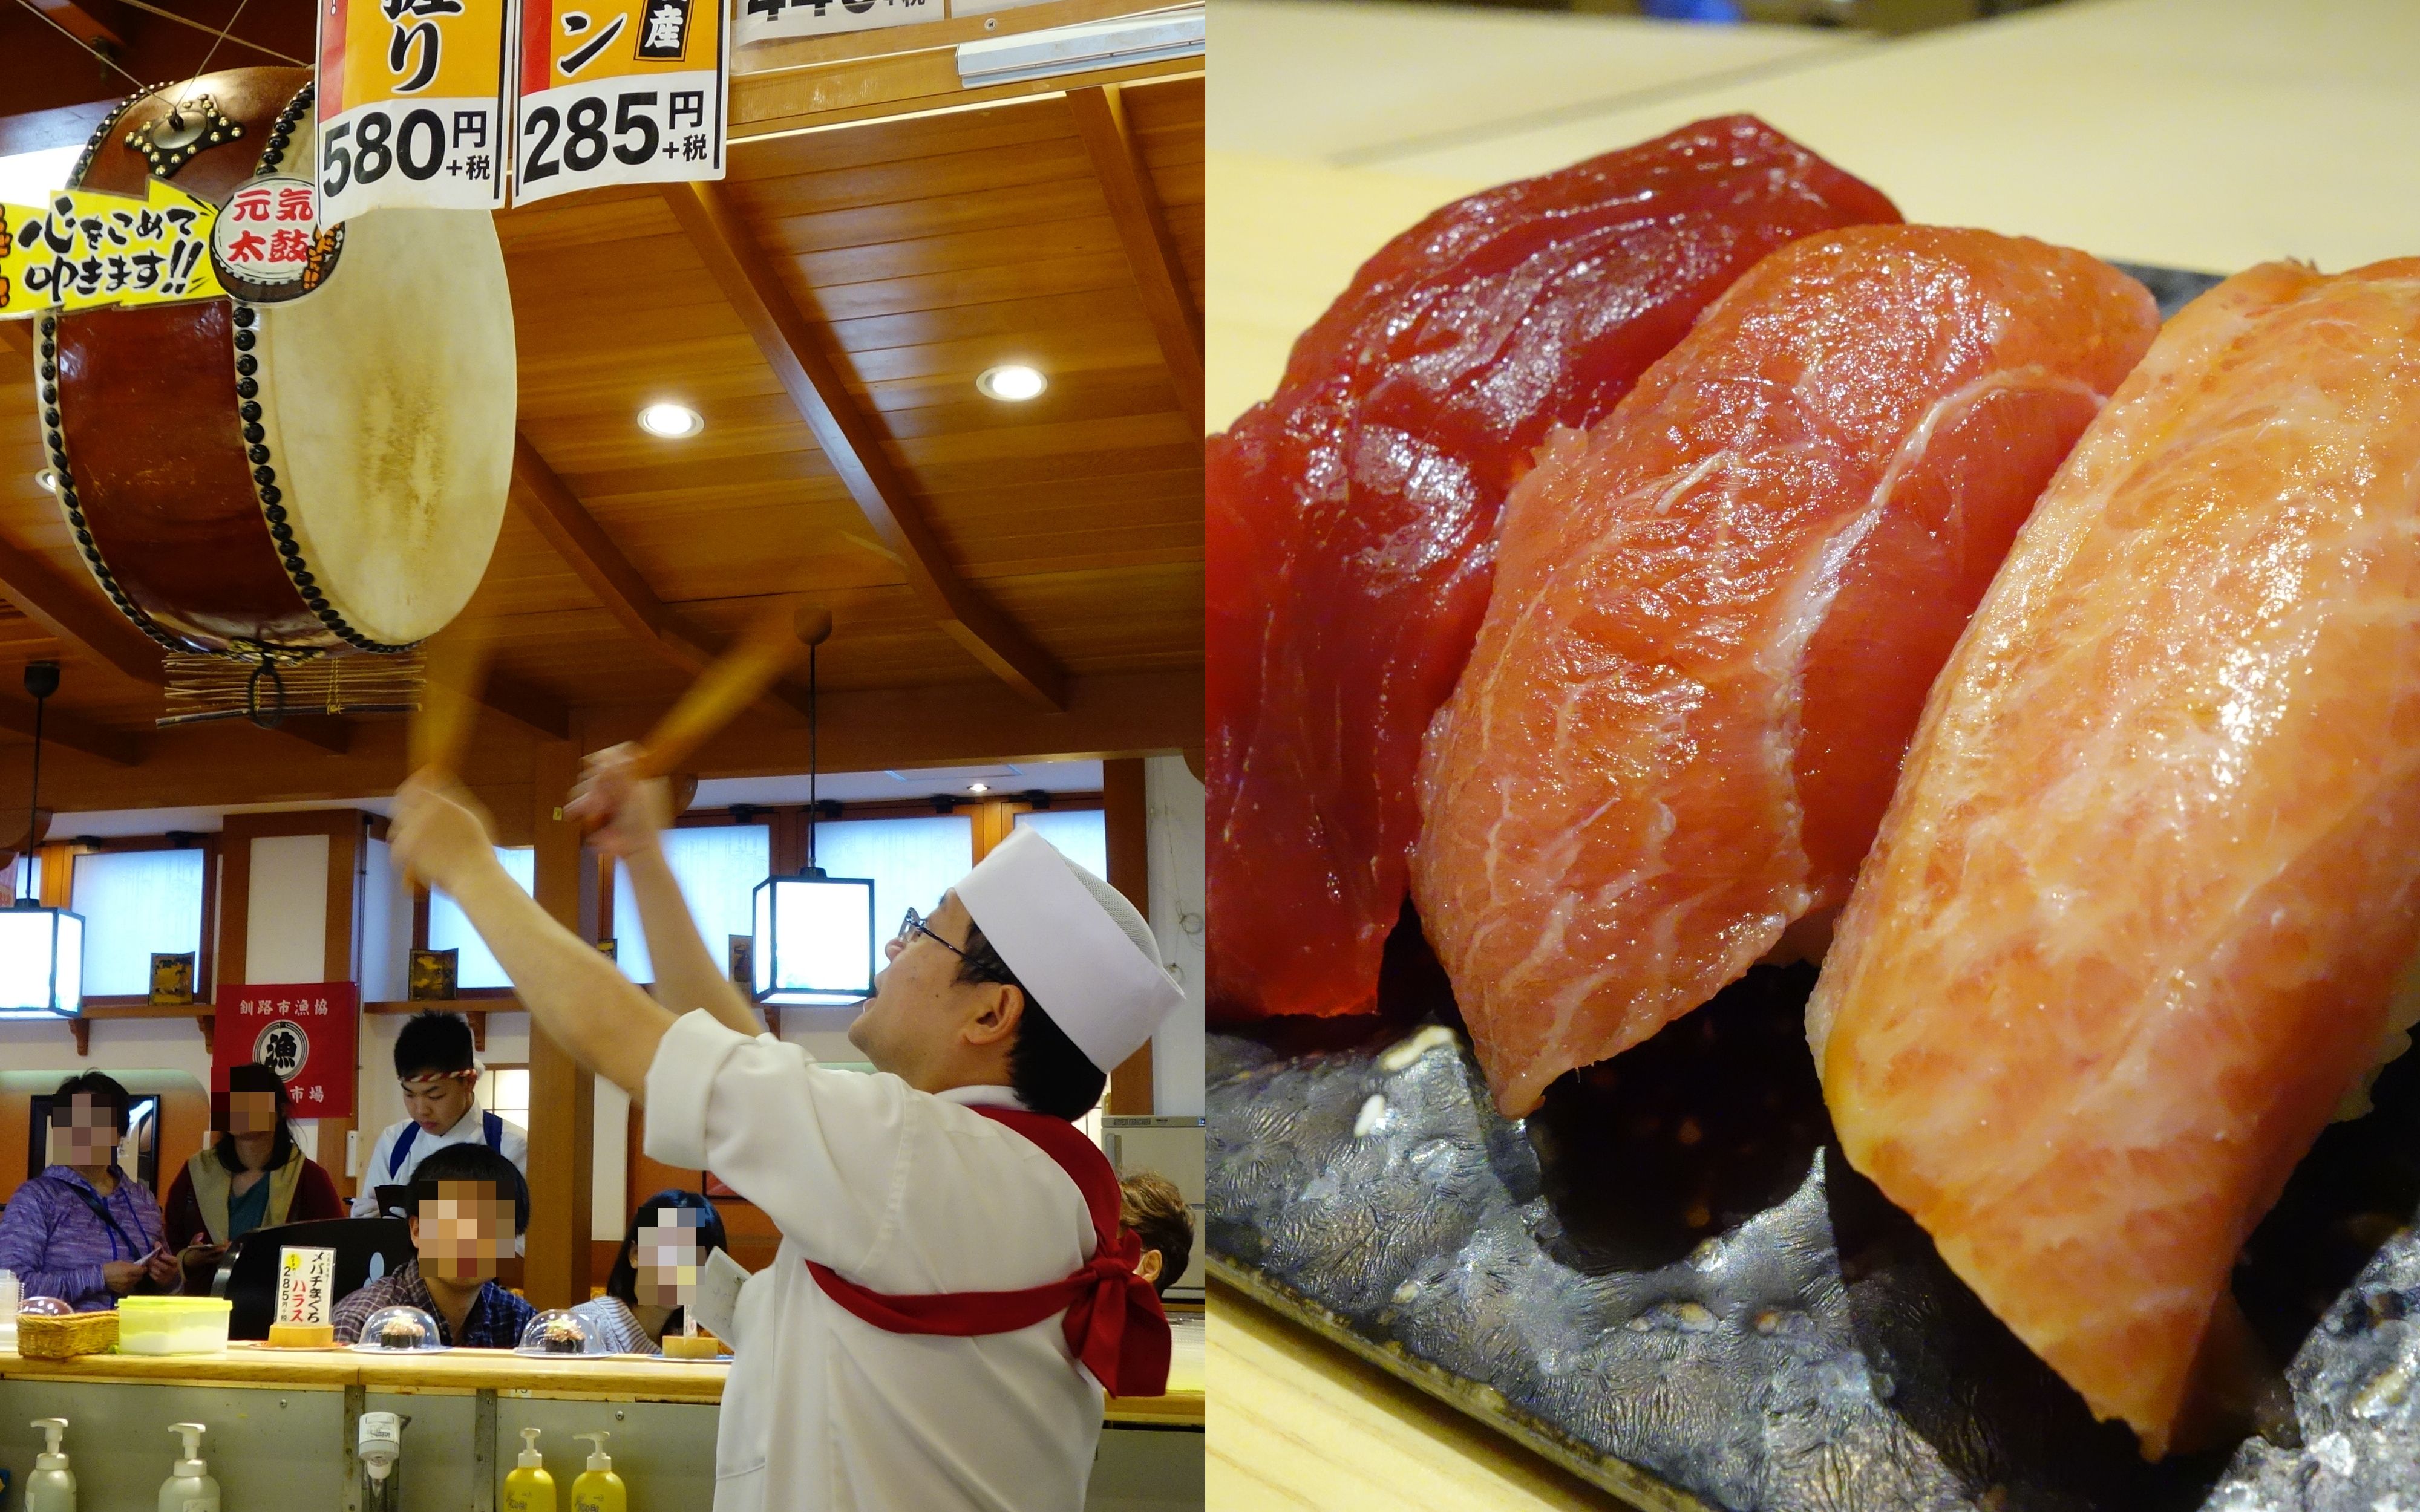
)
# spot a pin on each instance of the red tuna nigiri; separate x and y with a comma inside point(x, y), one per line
point(1352, 517)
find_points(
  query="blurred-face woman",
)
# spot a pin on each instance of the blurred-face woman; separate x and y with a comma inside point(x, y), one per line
point(655, 1276)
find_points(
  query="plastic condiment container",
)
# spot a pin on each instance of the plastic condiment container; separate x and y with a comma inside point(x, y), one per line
point(172, 1325)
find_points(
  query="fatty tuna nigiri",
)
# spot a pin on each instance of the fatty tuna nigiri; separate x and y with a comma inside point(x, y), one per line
point(2132, 924)
point(1715, 617)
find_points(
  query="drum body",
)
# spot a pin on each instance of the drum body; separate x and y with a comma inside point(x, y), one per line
point(320, 475)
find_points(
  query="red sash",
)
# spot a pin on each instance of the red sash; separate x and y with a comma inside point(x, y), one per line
point(1114, 1321)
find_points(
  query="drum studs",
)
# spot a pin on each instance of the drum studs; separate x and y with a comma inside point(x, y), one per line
point(247, 364)
point(246, 388)
point(253, 432)
point(264, 475)
point(259, 453)
point(50, 392)
point(276, 514)
point(280, 531)
point(250, 411)
point(270, 495)
point(243, 315)
point(50, 371)
point(49, 417)
point(244, 340)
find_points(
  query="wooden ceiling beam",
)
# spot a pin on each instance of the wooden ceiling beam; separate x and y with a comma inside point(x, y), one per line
point(853, 446)
point(81, 621)
point(81, 23)
point(527, 705)
point(13, 336)
point(1134, 208)
point(584, 547)
point(76, 732)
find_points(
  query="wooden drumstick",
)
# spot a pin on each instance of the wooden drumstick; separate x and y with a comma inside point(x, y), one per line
point(738, 677)
point(453, 673)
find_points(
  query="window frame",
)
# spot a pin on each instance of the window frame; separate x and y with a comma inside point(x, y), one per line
point(204, 949)
point(994, 817)
point(420, 895)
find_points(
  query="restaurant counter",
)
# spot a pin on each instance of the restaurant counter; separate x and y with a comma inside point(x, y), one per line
point(283, 1426)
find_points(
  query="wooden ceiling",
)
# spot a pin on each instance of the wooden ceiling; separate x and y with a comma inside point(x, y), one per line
point(1007, 580)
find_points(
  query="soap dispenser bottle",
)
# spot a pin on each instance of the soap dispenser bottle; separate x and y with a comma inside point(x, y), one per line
point(597, 1490)
point(189, 1486)
point(529, 1487)
point(52, 1486)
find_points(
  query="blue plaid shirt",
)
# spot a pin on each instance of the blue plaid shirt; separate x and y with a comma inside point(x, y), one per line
point(494, 1322)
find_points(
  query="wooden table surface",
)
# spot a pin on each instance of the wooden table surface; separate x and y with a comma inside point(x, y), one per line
point(607, 1378)
point(2197, 134)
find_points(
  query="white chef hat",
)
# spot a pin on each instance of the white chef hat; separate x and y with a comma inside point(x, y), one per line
point(1084, 952)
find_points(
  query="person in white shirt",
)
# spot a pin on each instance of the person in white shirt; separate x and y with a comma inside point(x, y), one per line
point(953, 1290)
point(434, 1061)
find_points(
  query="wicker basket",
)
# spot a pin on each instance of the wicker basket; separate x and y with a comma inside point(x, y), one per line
point(63, 1338)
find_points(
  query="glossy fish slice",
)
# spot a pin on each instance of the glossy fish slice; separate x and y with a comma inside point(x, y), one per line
point(1352, 517)
point(1715, 617)
point(2132, 925)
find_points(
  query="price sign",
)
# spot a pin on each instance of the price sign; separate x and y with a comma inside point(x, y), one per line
point(305, 1280)
point(620, 92)
point(411, 104)
point(762, 18)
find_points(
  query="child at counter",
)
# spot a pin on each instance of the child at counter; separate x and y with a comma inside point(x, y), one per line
point(468, 1205)
point(1151, 1205)
point(85, 1231)
point(661, 1257)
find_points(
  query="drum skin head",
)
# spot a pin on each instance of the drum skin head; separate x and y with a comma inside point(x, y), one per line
point(388, 399)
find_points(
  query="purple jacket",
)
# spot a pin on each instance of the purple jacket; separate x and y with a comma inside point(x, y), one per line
point(53, 1236)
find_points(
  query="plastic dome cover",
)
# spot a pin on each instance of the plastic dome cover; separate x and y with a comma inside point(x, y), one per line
point(400, 1328)
point(44, 1307)
point(561, 1331)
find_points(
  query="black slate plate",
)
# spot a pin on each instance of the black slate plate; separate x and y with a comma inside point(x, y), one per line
point(1667, 1279)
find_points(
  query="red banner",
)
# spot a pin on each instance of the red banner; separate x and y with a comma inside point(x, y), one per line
point(304, 1032)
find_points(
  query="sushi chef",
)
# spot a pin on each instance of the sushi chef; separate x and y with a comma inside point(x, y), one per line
point(953, 1290)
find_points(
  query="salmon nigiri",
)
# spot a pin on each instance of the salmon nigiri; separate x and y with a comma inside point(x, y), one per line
point(1715, 620)
point(2132, 925)
point(1352, 517)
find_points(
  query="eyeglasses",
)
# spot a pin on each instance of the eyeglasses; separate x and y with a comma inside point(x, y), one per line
point(914, 925)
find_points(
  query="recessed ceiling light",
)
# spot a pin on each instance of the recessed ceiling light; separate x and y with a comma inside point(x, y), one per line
point(978, 787)
point(49, 479)
point(671, 421)
point(1011, 381)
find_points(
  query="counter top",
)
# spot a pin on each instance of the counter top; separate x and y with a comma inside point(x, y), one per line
point(609, 1378)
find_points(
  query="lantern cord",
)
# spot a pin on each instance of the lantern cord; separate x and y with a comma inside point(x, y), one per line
point(33, 807)
point(814, 762)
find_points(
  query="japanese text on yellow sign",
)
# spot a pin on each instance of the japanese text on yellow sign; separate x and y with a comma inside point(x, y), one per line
point(82, 249)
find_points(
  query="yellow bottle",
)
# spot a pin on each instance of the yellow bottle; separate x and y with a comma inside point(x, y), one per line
point(599, 1490)
point(529, 1487)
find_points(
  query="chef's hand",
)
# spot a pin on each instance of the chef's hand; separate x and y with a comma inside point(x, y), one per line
point(629, 814)
point(163, 1268)
point(438, 834)
point(122, 1276)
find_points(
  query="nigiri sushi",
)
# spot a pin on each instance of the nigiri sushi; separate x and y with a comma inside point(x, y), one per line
point(1714, 619)
point(2131, 926)
point(1352, 517)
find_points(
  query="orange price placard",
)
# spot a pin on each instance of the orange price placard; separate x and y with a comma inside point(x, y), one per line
point(620, 92)
point(411, 104)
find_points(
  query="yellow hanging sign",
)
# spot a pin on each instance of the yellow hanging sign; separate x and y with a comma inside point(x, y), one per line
point(81, 250)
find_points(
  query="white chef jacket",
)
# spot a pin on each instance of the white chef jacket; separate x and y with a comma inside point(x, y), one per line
point(900, 1192)
point(467, 1130)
